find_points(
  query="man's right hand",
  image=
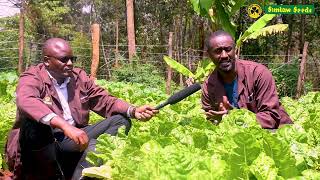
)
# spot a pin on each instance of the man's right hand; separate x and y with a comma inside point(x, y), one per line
point(216, 116)
point(77, 135)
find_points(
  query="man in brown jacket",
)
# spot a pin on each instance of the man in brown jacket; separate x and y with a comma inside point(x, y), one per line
point(51, 135)
point(237, 83)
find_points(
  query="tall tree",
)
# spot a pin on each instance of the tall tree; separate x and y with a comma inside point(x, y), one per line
point(21, 37)
point(290, 34)
point(302, 29)
point(131, 29)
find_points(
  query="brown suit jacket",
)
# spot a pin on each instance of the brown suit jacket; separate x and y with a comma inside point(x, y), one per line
point(37, 97)
point(257, 93)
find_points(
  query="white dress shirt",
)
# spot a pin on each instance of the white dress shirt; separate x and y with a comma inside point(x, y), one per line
point(62, 92)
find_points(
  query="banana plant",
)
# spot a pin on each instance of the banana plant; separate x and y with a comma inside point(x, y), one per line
point(204, 68)
point(258, 29)
point(220, 12)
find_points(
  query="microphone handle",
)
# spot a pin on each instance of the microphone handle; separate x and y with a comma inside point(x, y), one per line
point(161, 105)
point(180, 95)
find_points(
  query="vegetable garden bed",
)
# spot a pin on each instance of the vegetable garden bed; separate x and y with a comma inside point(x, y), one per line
point(180, 144)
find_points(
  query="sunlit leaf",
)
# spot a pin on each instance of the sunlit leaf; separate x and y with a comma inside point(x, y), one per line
point(255, 27)
point(269, 30)
point(224, 19)
point(177, 66)
point(103, 171)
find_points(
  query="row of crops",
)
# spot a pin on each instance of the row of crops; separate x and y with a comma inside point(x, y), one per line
point(8, 83)
point(180, 144)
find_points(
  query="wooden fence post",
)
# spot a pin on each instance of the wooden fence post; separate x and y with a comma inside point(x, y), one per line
point(169, 70)
point(301, 77)
point(95, 29)
point(21, 38)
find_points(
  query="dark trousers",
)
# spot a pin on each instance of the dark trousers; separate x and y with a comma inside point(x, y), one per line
point(46, 154)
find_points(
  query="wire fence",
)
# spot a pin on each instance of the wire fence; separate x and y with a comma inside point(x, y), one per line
point(114, 57)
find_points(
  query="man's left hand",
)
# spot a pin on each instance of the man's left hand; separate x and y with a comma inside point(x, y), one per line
point(145, 113)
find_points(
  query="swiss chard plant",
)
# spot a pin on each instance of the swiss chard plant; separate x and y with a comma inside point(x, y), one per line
point(8, 81)
point(180, 143)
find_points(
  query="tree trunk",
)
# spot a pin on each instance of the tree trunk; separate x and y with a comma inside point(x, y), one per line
point(302, 27)
point(289, 48)
point(192, 37)
point(289, 45)
point(179, 45)
point(184, 36)
point(201, 38)
point(106, 57)
point(117, 45)
point(130, 29)
point(169, 70)
point(21, 38)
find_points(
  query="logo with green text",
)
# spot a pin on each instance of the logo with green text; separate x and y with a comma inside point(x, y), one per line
point(289, 9)
point(255, 11)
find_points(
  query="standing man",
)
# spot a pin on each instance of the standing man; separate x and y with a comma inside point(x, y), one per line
point(237, 83)
point(51, 132)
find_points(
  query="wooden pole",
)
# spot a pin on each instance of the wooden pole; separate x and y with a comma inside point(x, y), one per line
point(21, 38)
point(301, 78)
point(130, 29)
point(95, 29)
point(169, 70)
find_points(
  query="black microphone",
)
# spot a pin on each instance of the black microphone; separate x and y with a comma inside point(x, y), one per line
point(180, 95)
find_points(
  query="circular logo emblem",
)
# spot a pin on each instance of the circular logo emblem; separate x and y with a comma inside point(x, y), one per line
point(254, 11)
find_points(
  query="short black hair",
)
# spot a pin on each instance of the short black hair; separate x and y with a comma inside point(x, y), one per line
point(213, 35)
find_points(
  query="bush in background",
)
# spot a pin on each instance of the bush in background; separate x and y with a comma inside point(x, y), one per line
point(286, 77)
point(138, 72)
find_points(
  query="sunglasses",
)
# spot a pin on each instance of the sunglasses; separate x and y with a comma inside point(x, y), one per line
point(64, 59)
